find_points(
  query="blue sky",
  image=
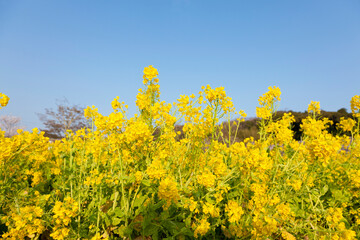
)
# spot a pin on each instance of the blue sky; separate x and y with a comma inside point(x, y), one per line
point(92, 51)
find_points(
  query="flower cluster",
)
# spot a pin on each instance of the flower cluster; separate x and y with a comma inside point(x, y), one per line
point(355, 105)
point(63, 212)
point(173, 171)
point(3, 100)
point(268, 103)
point(27, 223)
point(168, 191)
point(314, 107)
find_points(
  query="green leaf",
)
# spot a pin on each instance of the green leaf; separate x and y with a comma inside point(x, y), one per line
point(186, 231)
point(115, 221)
point(119, 213)
point(170, 226)
point(122, 231)
point(233, 194)
point(341, 196)
point(146, 183)
point(155, 236)
point(209, 199)
point(131, 179)
point(324, 190)
point(165, 215)
point(188, 221)
point(157, 205)
point(151, 230)
point(139, 201)
point(107, 220)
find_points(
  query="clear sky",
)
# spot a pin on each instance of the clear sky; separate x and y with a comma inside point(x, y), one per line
point(92, 51)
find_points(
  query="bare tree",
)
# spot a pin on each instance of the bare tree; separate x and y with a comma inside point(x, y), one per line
point(10, 124)
point(65, 117)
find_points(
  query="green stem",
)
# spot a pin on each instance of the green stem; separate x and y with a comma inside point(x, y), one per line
point(99, 209)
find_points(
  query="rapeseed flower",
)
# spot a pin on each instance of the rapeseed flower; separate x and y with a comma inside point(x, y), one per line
point(168, 191)
point(234, 211)
point(201, 228)
point(4, 100)
point(143, 175)
point(355, 105)
point(314, 107)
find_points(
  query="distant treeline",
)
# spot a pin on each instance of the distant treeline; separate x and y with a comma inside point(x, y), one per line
point(250, 127)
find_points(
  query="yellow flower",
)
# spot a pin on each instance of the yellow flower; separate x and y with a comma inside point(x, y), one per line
point(267, 103)
point(168, 191)
point(287, 236)
point(206, 179)
point(314, 107)
point(314, 128)
point(63, 212)
point(91, 112)
point(346, 124)
point(270, 97)
point(97, 236)
point(115, 103)
point(191, 205)
point(202, 228)
point(156, 169)
point(210, 209)
point(334, 216)
point(138, 176)
point(234, 211)
point(355, 105)
point(284, 211)
point(25, 223)
point(3, 100)
point(263, 112)
point(150, 72)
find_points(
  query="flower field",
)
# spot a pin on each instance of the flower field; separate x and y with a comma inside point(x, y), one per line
point(136, 178)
